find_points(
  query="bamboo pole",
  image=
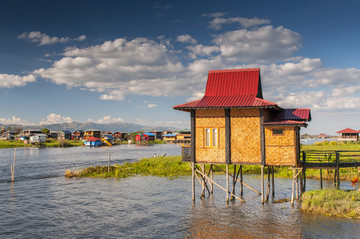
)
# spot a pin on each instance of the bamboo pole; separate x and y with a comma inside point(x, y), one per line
point(293, 188)
point(297, 185)
point(321, 183)
point(193, 181)
point(268, 183)
point(227, 183)
point(272, 181)
point(109, 164)
point(262, 184)
point(239, 180)
point(12, 167)
point(242, 200)
point(242, 182)
point(234, 181)
point(211, 177)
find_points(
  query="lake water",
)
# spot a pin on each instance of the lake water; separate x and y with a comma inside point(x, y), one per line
point(42, 203)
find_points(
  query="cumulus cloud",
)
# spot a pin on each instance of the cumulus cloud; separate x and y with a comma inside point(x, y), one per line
point(9, 81)
point(13, 120)
point(186, 39)
point(55, 119)
point(264, 44)
point(44, 39)
point(107, 120)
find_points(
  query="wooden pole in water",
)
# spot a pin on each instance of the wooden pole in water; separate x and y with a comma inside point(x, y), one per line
point(12, 167)
point(211, 177)
point(241, 182)
point(297, 185)
point(262, 184)
point(234, 181)
point(321, 183)
point(293, 189)
point(193, 181)
point(268, 183)
point(109, 164)
point(337, 170)
point(272, 181)
point(227, 183)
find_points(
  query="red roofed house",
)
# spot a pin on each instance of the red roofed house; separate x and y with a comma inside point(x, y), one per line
point(349, 134)
point(233, 124)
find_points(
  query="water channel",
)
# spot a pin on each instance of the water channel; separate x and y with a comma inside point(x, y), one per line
point(42, 203)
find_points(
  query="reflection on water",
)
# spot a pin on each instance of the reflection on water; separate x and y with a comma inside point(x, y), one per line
point(142, 207)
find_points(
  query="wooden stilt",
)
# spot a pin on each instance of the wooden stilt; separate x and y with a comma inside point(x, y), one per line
point(293, 188)
point(272, 181)
point(262, 184)
point(337, 170)
point(234, 181)
point(242, 200)
point(211, 177)
point(297, 185)
point(241, 181)
point(227, 183)
point(193, 181)
point(301, 183)
point(203, 181)
point(268, 184)
point(321, 183)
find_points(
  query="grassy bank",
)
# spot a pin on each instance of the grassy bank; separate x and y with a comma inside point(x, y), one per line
point(49, 143)
point(332, 202)
point(169, 166)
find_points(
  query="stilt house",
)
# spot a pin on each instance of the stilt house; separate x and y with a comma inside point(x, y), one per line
point(233, 124)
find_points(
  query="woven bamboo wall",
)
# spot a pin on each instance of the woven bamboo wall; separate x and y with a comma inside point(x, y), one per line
point(210, 118)
point(280, 149)
point(245, 136)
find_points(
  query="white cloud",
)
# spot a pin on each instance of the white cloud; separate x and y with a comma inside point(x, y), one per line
point(13, 120)
point(107, 120)
point(44, 39)
point(264, 44)
point(55, 119)
point(201, 50)
point(9, 81)
point(152, 105)
point(186, 39)
point(219, 21)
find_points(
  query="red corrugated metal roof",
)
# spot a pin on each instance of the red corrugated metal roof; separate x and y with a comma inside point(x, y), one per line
point(285, 122)
point(92, 139)
point(293, 114)
point(230, 89)
point(348, 131)
point(240, 82)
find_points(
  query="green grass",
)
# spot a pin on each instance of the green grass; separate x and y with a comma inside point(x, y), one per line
point(331, 146)
point(332, 202)
point(49, 143)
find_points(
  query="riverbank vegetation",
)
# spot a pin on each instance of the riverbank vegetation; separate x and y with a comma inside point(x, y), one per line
point(48, 143)
point(332, 202)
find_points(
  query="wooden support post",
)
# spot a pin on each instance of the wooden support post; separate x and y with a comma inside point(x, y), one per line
point(268, 183)
point(272, 181)
point(203, 181)
point(301, 183)
point(241, 182)
point(293, 188)
point(211, 177)
point(227, 183)
point(304, 171)
point(234, 181)
point(321, 183)
point(337, 170)
point(297, 185)
point(262, 184)
point(242, 200)
point(193, 181)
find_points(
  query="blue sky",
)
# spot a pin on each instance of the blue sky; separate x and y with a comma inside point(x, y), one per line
point(110, 61)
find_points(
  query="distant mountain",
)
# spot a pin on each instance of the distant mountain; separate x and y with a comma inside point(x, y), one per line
point(121, 127)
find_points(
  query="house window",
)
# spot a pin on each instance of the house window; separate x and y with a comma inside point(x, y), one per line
point(211, 137)
point(278, 131)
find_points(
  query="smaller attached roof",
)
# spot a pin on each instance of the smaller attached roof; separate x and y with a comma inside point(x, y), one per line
point(285, 122)
point(293, 114)
point(348, 131)
point(149, 134)
point(93, 139)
